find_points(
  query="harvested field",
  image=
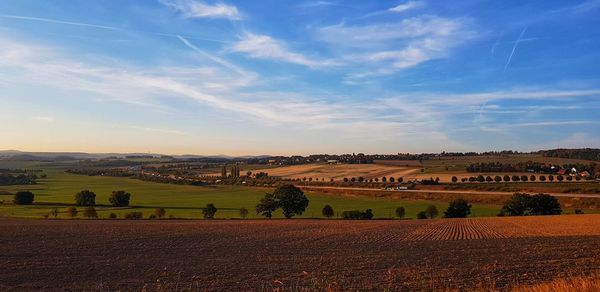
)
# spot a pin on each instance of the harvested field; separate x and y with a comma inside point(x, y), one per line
point(340, 171)
point(265, 254)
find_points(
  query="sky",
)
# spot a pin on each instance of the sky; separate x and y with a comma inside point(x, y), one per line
point(285, 77)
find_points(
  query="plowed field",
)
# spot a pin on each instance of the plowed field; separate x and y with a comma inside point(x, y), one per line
point(238, 255)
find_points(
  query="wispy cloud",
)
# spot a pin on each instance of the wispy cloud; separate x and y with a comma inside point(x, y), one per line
point(407, 6)
point(265, 47)
point(197, 9)
point(48, 20)
point(385, 48)
point(45, 119)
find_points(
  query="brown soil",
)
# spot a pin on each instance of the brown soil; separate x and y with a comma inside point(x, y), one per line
point(243, 255)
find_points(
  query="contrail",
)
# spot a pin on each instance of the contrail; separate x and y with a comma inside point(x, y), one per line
point(59, 21)
point(213, 58)
point(515, 48)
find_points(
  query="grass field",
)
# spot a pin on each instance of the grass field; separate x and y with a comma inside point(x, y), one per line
point(186, 201)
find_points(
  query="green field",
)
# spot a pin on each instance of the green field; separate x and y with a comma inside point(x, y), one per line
point(185, 201)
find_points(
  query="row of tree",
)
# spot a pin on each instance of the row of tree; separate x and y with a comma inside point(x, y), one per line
point(517, 178)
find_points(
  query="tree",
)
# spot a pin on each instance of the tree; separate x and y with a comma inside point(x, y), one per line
point(90, 212)
point(209, 211)
point(119, 198)
point(422, 215)
point(358, 215)
point(291, 200)
point(345, 179)
point(506, 178)
point(327, 211)
point(524, 178)
point(551, 178)
point(160, 212)
point(516, 178)
point(23, 198)
point(560, 177)
point(248, 173)
point(498, 179)
point(384, 179)
point(431, 211)
point(85, 198)
point(243, 213)
point(267, 206)
point(400, 179)
point(542, 178)
point(392, 179)
point(454, 179)
point(458, 208)
point(532, 177)
point(72, 212)
point(517, 205)
point(488, 179)
point(400, 212)
point(544, 204)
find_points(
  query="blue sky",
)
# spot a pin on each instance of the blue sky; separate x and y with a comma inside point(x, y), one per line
point(298, 77)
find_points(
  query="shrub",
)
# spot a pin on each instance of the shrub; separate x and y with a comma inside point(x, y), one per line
point(358, 215)
point(422, 215)
point(85, 198)
point(134, 215)
point(54, 212)
point(327, 211)
point(454, 179)
point(119, 198)
point(152, 216)
point(72, 212)
point(291, 200)
point(90, 212)
point(112, 216)
point(24, 198)
point(400, 212)
point(160, 212)
point(431, 211)
point(209, 211)
point(244, 213)
point(578, 211)
point(458, 208)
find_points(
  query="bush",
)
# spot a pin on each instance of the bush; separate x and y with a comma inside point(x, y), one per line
point(458, 208)
point(454, 179)
point(578, 211)
point(400, 212)
point(119, 198)
point(422, 215)
point(358, 215)
point(542, 178)
point(431, 211)
point(244, 213)
point(134, 215)
point(327, 211)
point(24, 198)
point(85, 198)
point(112, 216)
point(54, 212)
point(160, 212)
point(90, 212)
point(506, 178)
point(152, 217)
point(72, 212)
point(209, 211)
point(521, 204)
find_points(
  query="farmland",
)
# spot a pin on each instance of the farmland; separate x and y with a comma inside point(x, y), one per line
point(184, 201)
point(482, 253)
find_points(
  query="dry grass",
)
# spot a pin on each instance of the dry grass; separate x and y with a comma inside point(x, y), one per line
point(581, 284)
point(340, 171)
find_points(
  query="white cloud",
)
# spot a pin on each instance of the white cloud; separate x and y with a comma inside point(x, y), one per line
point(265, 47)
point(385, 48)
point(407, 6)
point(197, 9)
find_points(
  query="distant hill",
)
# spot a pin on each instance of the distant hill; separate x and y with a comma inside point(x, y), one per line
point(65, 156)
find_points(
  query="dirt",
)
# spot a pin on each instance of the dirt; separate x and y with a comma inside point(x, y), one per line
point(246, 255)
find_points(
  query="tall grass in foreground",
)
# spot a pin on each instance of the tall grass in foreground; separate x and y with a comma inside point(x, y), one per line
point(570, 284)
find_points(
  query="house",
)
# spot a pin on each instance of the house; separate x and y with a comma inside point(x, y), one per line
point(561, 171)
point(332, 161)
point(585, 173)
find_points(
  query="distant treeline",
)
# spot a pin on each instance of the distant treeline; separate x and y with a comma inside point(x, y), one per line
point(586, 153)
point(17, 179)
point(529, 166)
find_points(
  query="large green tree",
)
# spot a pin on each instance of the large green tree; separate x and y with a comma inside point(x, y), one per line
point(458, 208)
point(291, 200)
